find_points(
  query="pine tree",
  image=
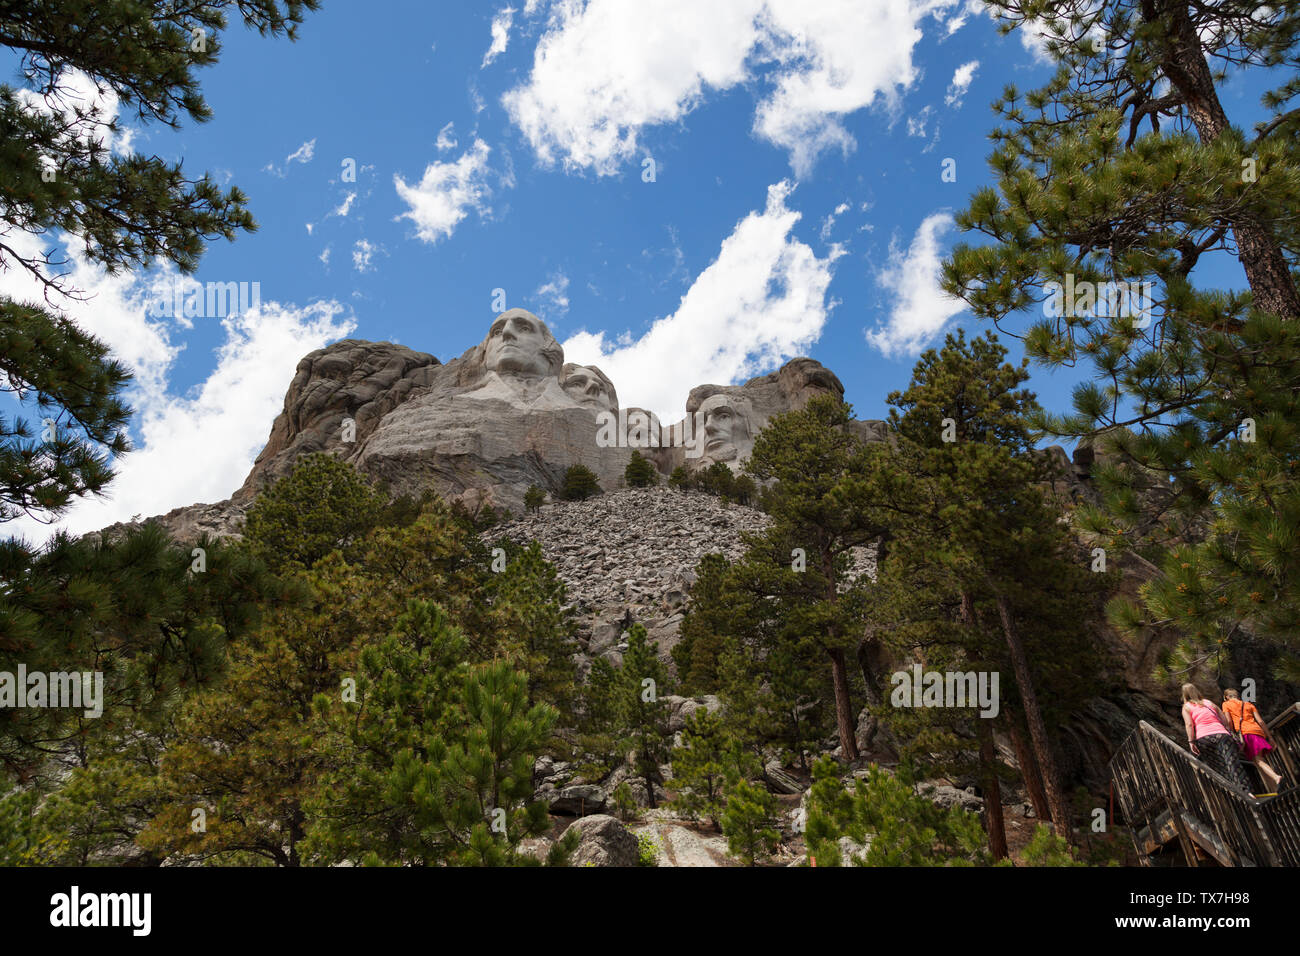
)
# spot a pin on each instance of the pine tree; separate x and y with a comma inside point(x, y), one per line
point(749, 822)
point(481, 786)
point(735, 643)
point(322, 504)
point(1126, 168)
point(532, 625)
point(965, 491)
point(534, 498)
point(579, 483)
point(707, 762)
point(818, 507)
point(884, 812)
point(244, 753)
point(640, 473)
point(624, 709)
point(57, 174)
point(131, 607)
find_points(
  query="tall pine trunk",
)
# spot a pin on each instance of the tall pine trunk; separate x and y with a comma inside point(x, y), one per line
point(1034, 718)
point(993, 820)
point(1184, 64)
point(1029, 771)
point(843, 704)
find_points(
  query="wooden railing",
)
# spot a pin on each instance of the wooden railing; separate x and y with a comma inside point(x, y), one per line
point(1285, 728)
point(1165, 792)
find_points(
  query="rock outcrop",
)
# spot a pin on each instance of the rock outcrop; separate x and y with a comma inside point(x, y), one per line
point(505, 415)
point(603, 841)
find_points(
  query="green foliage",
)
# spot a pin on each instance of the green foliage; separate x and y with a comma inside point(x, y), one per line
point(579, 483)
point(821, 507)
point(1045, 848)
point(625, 805)
point(1126, 167)
point(534, 498)
point(720, 481)
point(323, 504)
point(23, 841)
point(624, 709)
point(901, 827)
point(531, 627)
point(734, 643)
point(749, 822)
point(128, 210)
point(709, 761)
point(128, 606)
point(647, 850)
point(640, 473)
point(679, 480)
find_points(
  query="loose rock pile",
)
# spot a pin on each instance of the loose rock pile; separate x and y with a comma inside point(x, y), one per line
point(629, 556)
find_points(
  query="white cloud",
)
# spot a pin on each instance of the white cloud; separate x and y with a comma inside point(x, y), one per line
point(500, 34)
point(193, 447)
point(446, 137)
point(553, 296)
point(916, 124)
point(759, 303)
point(829, 222)
point(446, 193)
point(303, 154)
point(961, 81)
point(344, 207)
point(362, 254)
point(605, 70)
point(975, 7)
point(921, 308)
point(85, 108)
point(325, 256)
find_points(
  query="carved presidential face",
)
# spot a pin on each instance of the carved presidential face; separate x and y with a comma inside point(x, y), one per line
point(588, 387)
point(726, 427)
point(520, 343)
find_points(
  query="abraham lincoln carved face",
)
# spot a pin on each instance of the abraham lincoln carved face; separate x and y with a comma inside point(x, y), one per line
point(727, 432)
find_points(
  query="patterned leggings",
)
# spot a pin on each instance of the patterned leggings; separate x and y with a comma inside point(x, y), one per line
point(1220, 751)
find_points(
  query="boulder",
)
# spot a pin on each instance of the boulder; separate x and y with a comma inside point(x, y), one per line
point(577, 799)
point(604, 841)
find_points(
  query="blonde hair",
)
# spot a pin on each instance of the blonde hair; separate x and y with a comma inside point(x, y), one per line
point(1191, 694)
point(1231, 694)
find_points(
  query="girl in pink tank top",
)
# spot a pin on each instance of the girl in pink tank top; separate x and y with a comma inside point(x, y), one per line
point(1205, 720)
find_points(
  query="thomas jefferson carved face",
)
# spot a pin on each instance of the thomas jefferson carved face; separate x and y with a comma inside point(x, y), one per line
point(726, 427)
point(520, 343)
point(588, 386)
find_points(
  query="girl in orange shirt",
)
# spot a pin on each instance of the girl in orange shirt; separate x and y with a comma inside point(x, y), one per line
point(1255, 738)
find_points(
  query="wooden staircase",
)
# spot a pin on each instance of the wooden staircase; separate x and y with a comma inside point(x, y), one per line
point(1166, 793)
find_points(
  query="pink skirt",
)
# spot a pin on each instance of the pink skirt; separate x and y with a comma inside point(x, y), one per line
point(1252, 745)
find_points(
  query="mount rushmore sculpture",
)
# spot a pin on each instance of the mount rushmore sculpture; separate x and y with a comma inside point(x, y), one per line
point(507, 414)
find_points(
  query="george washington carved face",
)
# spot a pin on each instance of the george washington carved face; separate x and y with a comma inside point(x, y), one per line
point(587, 385)
point(726, 427)
point(520, 343)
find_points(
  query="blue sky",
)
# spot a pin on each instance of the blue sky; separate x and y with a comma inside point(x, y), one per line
point(794, 206)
